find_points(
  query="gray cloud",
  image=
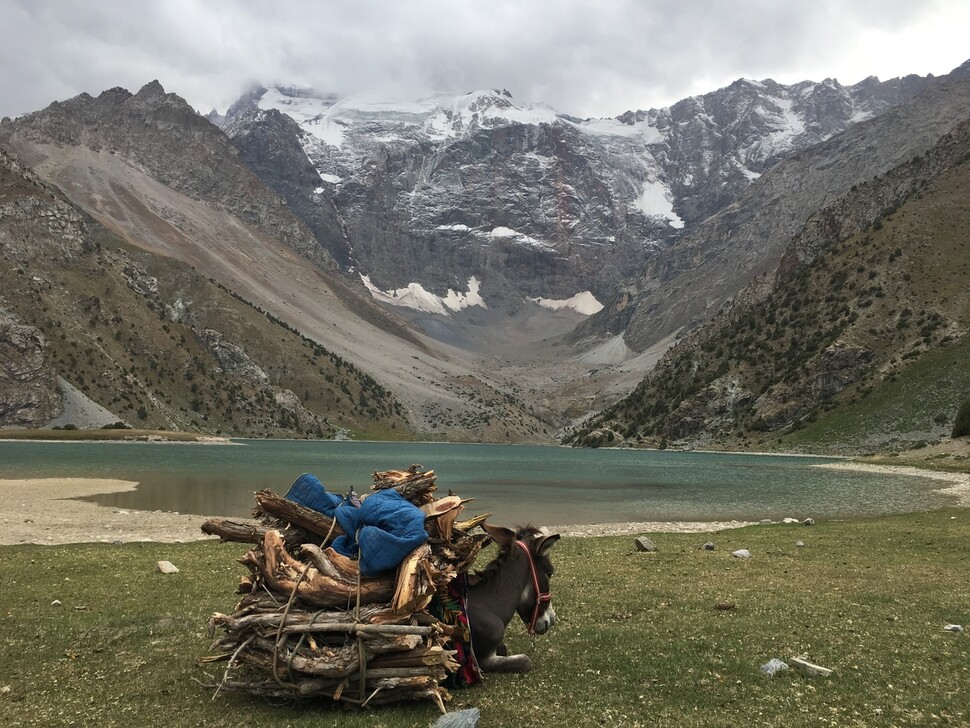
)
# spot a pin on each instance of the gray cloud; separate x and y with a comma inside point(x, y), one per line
point(586, 58)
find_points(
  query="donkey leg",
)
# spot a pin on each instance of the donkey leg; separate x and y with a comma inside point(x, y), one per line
point(490, 651)
point(510, 663)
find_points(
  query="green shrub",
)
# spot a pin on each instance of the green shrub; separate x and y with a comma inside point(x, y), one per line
point(962, 425)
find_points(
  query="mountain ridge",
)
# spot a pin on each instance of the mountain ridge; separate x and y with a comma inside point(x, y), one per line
point(552, 217)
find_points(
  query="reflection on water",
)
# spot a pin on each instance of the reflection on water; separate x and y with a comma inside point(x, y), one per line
point(516, 483)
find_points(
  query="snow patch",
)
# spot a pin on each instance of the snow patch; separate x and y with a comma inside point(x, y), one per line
point(416, 297)
point(641, 130)
point(520, 238)
point(584, 302)
point(654, 201)
point(331, 178)
point(458, 228)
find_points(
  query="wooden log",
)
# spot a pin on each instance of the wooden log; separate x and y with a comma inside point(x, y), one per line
point(472, 522)
point(332, 563)
point(415, 587)
point(277, 506)
point(283, 573)
point(415, 486)
point(442, 514)
point(332, 621)
point(248, 531)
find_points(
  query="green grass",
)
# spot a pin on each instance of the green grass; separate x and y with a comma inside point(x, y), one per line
point(639, 640)
point(936, 384)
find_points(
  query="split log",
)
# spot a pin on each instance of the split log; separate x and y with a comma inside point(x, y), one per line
point(442, 514)
point(283, 573)
point(277, 506)
point(415, 587)
point(332, 563)
point(415, 486)
point(246, 531)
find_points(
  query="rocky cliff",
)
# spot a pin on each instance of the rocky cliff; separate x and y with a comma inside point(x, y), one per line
point(859, 341)
point(529, 202)
point(692, 279)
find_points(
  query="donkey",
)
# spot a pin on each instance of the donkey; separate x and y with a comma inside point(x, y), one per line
point(517, 580)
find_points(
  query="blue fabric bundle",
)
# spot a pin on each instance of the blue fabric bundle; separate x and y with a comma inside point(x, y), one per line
point(380, 533)
point(309, 491)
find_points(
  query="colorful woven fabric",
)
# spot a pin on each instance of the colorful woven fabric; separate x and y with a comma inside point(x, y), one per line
point(450, 609)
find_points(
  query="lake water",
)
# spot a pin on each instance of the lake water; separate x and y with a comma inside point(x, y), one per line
point(518, 483)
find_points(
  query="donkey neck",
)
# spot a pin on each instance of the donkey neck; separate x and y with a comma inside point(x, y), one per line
point(502, 588)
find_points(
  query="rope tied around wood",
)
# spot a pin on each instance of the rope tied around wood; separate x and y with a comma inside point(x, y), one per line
point(310, 624)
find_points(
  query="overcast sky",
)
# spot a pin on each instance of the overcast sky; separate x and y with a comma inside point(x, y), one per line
point(596, 58)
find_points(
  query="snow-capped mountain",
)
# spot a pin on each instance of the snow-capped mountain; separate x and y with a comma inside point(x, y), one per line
point(424, 197)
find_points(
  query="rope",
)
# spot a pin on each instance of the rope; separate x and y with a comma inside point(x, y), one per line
point(279, 633)
point(361, 653)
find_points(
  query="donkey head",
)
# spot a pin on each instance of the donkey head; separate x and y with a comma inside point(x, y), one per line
point(535, 596)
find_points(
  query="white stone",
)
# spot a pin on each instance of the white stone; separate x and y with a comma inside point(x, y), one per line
point(741, 554)
point(166, 567)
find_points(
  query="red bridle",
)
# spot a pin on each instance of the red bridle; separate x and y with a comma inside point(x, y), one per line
point(541, 596)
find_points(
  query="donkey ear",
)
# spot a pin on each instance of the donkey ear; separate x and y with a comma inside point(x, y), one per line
point(500, 534)
point(546, 543)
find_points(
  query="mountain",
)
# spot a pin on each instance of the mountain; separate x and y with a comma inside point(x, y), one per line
point(478, 200)
point(146, 340)
point(860, 341)
point(457, 250)
point(151, 171)
point(692, 279)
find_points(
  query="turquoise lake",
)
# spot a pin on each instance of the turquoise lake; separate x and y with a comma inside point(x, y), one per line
point(518, 483)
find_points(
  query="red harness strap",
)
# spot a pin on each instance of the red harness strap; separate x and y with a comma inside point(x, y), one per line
point(541, 596)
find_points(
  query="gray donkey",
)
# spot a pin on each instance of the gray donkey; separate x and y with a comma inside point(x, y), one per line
point(517, 580)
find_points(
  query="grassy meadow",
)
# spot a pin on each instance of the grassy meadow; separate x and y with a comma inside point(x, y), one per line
point(640, 640)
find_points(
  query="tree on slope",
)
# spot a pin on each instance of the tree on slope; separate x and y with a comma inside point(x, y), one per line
point(962, 426)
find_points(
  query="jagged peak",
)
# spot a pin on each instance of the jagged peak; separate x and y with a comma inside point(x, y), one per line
point(152, 88)
point(116, 94)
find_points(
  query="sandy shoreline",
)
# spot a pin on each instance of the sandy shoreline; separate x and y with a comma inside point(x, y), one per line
point(959, 483)
point(45, 511)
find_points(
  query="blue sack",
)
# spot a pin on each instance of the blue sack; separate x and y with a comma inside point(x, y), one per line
point(379, 534)
point(308, 491)
point(382, 532)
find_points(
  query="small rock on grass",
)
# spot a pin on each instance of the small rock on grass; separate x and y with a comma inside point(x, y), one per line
point(774, 666)
point(467, 718)
point(166, 567)
point(56, 603)
point(741, 554)
point(954, 628)
point(645, 544)
point(709, 546)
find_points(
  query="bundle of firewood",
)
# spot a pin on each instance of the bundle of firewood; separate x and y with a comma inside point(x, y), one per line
point(309, 624)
